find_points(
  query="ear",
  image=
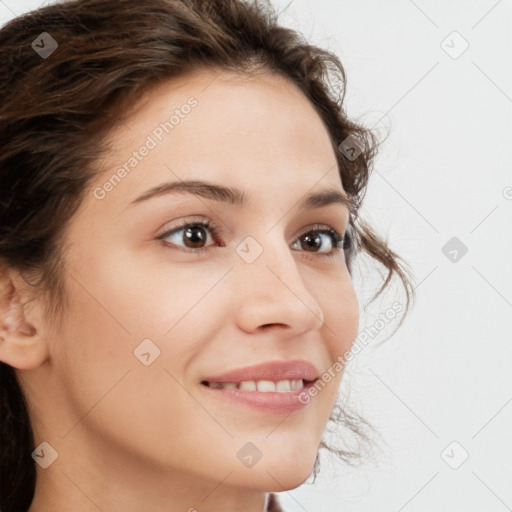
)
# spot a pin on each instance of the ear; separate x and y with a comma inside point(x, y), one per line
point(21, 344)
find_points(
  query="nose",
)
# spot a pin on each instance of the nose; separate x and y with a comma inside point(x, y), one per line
point(271, 292)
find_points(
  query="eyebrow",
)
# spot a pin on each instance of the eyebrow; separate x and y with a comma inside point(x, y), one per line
point(237, 197)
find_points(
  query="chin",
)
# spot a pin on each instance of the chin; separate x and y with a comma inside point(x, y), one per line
point(281, 472)
point(291, 478)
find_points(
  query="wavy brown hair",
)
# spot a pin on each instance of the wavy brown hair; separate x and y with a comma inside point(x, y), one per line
point(56, 113)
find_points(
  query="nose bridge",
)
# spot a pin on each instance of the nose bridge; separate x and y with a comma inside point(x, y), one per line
point(272, 287)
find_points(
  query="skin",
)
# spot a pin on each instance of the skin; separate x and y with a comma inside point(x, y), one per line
point(130, 436)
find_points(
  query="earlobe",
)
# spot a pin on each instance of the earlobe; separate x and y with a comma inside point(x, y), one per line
point(21, 345)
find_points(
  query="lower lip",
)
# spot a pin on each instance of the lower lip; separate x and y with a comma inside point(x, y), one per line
point(268, 402)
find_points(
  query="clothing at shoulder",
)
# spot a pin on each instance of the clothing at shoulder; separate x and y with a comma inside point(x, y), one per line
point(273, 504)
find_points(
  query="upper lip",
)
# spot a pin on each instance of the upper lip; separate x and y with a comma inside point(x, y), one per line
point(272, 370)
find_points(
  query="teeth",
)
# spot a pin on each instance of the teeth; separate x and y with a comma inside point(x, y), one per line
point(297, 384)
point(282, 386)
point(266, 385)
point(247, 385)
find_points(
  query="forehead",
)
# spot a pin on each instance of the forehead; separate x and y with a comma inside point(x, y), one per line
point(248, 131)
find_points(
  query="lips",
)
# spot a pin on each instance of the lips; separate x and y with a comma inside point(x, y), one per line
point(274, 371)
point(253, 386)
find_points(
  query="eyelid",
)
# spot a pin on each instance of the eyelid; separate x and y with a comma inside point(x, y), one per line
point(318, 227)
point(194, 219)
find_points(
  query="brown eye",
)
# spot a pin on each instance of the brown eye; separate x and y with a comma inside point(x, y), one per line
point(311, 242)
point(197, 235)
point(321, 241)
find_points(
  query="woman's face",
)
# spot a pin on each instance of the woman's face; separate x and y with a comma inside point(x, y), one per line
point(156, 308)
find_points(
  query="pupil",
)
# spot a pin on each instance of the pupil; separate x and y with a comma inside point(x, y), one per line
point(195, 236)
point(312, 242)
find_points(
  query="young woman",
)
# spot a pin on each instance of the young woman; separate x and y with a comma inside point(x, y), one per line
point(179, 195)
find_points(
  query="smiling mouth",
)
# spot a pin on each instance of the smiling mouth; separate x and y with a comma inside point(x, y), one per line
point(263, 386)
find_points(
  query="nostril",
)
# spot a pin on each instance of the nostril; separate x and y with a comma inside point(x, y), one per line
point(266, 326)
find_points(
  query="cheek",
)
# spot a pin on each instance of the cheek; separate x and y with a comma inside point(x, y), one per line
point(341, 314)
point(109, 386)
point(339, 303)
point(121, 311)
point(147, 297)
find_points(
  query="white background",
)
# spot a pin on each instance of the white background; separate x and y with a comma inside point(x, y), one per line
point(443, 172)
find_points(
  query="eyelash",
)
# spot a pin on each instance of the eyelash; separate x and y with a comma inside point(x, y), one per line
point(340, 243)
